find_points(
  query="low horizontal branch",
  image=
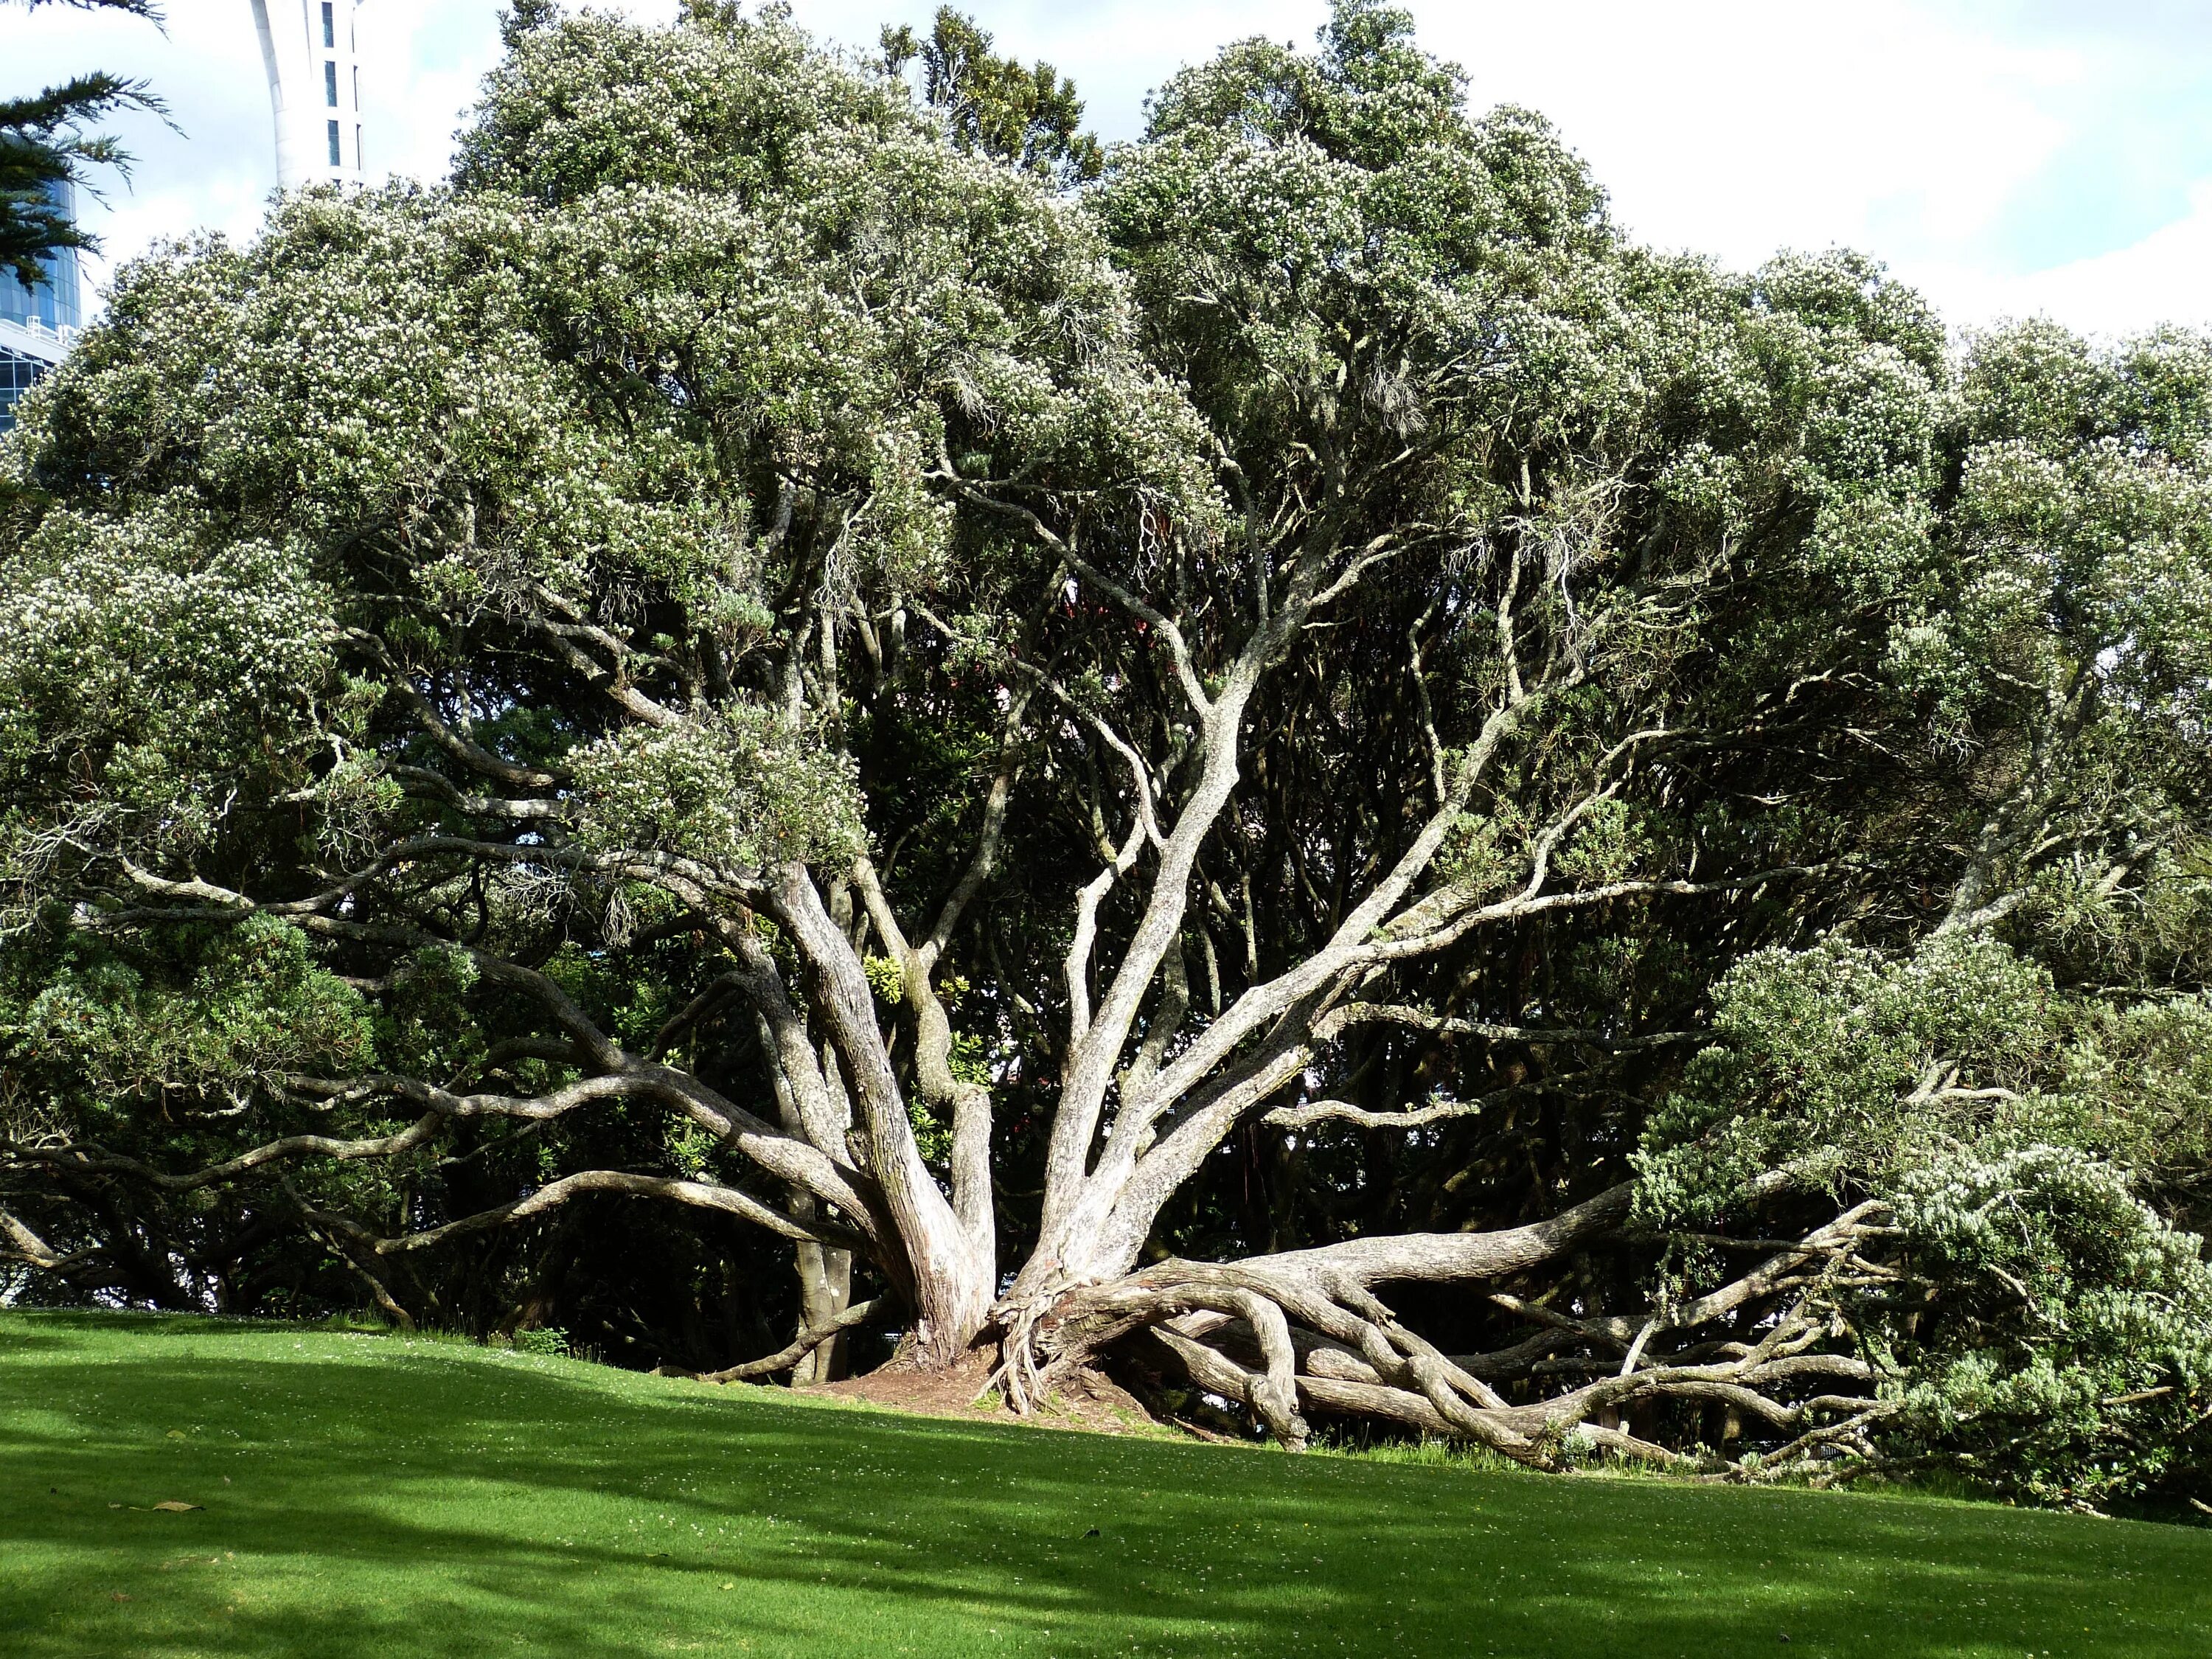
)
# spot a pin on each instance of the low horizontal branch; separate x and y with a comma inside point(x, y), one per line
point(80, 1161)
point(860, 1314)
point(26, 1246)
point(1450, 932)
point(1420, 1019)
point(698, 1195)
point(1444, 1258)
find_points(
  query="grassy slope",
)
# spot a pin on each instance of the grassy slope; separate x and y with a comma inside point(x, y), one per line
point(389, 1496)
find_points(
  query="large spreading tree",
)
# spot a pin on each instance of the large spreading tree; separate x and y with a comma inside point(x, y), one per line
point(1295, 772)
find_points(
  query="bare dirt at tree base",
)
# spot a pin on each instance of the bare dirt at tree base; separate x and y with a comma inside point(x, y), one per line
point(1085, 1399)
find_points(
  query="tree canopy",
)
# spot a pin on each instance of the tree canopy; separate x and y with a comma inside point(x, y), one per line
point(1114, 754)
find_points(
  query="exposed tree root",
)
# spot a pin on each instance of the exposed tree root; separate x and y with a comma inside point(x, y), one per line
point(1288, 1338)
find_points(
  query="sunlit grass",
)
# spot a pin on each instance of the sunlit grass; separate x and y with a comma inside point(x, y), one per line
point(370, 1495)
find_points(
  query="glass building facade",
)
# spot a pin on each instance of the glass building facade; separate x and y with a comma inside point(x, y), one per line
point(37, 324)
point(19, 373)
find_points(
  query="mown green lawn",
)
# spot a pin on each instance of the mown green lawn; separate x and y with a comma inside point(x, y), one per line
point(375, 1495)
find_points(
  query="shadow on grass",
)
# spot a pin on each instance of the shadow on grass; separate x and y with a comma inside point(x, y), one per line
point(424, 1500)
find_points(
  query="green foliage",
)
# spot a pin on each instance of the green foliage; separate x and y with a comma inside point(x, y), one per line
point(1030, 117)
point(222, 1012)
point(2073, 1360)
point(428, 1028)
point(886, 979)
point(1607, 845)
point(166, 672)
point(732, 789)
point(2051, 1332)
point(1485, 853)
point(1847, 1066)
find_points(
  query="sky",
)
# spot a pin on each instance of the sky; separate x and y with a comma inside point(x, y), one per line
point(2007, 157)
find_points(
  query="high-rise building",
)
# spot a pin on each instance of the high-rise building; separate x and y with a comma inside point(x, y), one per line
point(310, 49)
point(36, 325)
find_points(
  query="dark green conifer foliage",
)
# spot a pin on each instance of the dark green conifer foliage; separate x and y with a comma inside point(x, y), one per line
point(43, 143)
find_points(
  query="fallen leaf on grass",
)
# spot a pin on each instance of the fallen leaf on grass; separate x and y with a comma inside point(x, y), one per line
point(170, 1506)
point(117, 1595)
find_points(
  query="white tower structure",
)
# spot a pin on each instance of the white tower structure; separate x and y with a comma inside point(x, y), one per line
point(311, 50)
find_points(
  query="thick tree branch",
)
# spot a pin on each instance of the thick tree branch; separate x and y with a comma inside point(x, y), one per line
point(860, 1314)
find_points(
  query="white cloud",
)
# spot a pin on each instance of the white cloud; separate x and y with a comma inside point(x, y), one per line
point(2165, 277)
point(1737, 126)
